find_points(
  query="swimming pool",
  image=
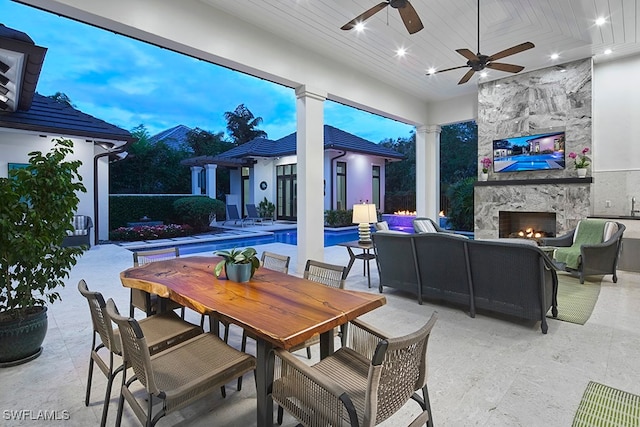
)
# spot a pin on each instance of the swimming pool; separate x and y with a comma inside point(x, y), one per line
point(289, 237)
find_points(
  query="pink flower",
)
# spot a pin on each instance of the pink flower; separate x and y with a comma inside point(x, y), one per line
point(573, 155)
point(585, 150)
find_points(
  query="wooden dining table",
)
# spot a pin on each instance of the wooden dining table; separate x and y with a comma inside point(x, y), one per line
point(280, 310)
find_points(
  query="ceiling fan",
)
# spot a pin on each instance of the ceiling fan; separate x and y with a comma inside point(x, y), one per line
point(407, 13)
point(478, 61)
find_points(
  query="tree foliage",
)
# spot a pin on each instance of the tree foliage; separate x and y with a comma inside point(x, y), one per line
point(242, 125)
point(401, 176)
point(204, 143)
point(62, 98)
point(150, 168)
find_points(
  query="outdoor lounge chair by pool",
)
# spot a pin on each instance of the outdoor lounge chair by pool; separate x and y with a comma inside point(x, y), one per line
point(253, 214)
point(233, 215)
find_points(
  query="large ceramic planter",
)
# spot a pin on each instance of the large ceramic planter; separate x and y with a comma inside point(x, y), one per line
point(21, 339)
point(238, 272)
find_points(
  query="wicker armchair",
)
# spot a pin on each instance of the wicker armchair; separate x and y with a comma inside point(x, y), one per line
point(162, 331)
point(151, 303)
point(595, 259)
point(361, 384)
point(178, 376)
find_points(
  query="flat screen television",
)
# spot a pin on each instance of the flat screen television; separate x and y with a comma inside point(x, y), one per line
point(544, 151)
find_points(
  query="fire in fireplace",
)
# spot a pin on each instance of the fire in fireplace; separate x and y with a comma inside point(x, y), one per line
point(528, 225)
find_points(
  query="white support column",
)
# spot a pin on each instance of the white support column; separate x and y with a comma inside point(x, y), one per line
point(210, 171)
point(428, 171)
point(310, 148)
point(195, 181)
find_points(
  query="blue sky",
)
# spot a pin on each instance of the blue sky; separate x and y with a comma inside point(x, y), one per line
point(126, 82)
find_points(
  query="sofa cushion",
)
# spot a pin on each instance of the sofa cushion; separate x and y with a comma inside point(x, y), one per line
point(382, 225)
point(424, 226)
point(391, 232)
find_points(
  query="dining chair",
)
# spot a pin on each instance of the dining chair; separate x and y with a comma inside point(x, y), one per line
point(147, 302)
point(272, 261)
point(330, 275)
point(162, 331)
point(177, 376)
point(362, 384)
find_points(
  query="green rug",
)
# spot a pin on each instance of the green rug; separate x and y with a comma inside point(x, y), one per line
point(576, 301)
point(603, 406)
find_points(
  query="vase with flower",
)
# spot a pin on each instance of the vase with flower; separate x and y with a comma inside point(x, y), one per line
point(581, 162)
point(486, 163)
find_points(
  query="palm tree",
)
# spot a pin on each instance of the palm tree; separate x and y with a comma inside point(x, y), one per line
point(241, 125)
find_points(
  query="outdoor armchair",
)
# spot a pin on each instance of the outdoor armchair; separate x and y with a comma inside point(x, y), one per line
point(81, 233)
point(361, 384)
point(597, 256)
point(252, 214)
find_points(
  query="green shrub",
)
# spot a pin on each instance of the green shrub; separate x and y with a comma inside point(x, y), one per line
point(198, 211)
point(461, 209)
point(338, 218)
point(266, 209)
point(124, 209)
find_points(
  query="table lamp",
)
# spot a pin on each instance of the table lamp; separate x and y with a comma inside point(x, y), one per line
point(364, 214)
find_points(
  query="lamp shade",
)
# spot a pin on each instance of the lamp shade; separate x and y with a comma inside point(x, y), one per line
point(364, 213)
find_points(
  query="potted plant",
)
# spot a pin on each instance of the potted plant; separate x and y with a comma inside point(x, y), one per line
point(266, 209)
point(37, 204)
point(582, 162)
point(239, 264)
point(486, 164)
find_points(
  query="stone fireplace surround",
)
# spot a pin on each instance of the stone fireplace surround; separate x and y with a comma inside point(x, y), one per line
point(525, 104)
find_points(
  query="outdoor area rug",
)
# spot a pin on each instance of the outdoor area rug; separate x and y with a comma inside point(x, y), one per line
point(576, 301)
point(603, 406)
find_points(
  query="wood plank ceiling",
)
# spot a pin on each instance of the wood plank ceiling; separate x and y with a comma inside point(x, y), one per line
point(565, 27)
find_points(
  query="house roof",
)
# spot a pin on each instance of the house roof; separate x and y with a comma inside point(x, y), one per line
point(175, 137)
point(47, 115)
point(334, 138)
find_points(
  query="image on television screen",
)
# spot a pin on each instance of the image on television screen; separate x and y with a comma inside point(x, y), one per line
point(529, 153)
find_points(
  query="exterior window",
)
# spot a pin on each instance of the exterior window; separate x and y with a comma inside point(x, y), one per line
point(287, 188)
point(246, 189)
point(375, 186)
point(341, 185)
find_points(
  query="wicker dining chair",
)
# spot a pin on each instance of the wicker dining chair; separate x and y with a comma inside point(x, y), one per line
point(330, 275)
point(162, 331)
point(362, 384)
point(145, 301)
point(166, 376)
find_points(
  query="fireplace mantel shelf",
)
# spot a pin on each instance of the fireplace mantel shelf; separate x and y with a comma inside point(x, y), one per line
point(540, 181)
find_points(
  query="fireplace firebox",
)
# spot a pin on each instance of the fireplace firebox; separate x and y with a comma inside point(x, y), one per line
point(531, 225)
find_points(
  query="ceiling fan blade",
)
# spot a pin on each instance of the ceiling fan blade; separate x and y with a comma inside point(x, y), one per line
point(509, 68)
point(448, 69)
point(512, 51)
point(466, 77)
point(364, 16)
point(410, 18)
point(468, 54)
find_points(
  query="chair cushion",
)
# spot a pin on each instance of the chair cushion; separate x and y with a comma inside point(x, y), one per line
point(424, 226)
point(610, 228)
point(79, 226)
point(382, 225)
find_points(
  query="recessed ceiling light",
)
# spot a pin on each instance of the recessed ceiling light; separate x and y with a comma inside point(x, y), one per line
point(484, 74)
point(431, 70)
point(359, 27)
point(554, 56)
point(401, 52)
point(600, 21)
point(608, 51)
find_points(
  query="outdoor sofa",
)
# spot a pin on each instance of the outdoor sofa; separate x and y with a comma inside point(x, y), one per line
point(502, 276)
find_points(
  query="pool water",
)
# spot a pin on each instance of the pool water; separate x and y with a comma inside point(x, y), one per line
point(289, 237)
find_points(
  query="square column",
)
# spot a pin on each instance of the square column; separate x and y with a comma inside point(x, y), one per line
point(195, 180)
point(310, 151)
point(428, 171)
point(210, 172)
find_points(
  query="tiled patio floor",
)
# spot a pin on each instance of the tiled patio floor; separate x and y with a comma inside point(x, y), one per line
point(486, 371)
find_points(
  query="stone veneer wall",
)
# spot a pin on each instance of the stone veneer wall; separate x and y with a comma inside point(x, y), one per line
point(536, 102)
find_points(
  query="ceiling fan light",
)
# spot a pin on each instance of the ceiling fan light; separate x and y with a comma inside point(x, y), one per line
point(431, 70)
point(554, 56)
point(608, 51)
point(600, 21)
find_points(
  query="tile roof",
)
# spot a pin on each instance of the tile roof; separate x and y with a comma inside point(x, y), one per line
point(175, 137)
point(49, 116)
point(334, 138)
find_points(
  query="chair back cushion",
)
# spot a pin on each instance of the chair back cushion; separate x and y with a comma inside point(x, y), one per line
point(79, 226)
point(382, 225)
point(610, 228)
point(423, 226)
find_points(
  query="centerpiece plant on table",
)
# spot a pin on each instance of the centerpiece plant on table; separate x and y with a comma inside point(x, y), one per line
point(239, 264)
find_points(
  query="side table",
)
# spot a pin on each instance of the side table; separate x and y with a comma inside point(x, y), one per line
point(366, 256)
